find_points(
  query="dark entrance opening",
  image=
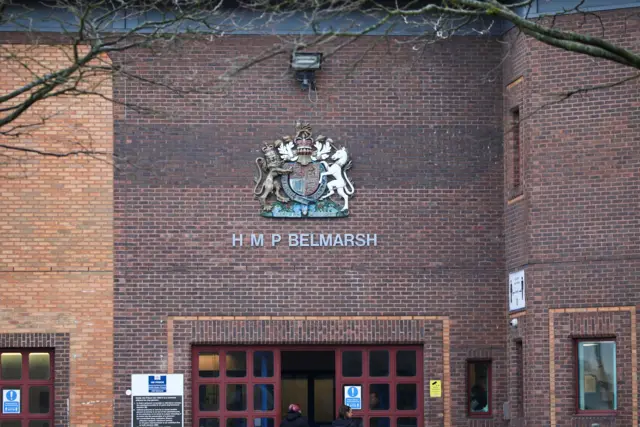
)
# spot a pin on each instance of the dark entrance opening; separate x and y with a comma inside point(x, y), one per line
point(309, 380)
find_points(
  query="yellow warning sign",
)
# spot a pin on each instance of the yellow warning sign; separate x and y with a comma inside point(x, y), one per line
point(436, 388)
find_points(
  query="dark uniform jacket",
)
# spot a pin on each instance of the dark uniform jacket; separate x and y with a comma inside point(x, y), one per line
point(345, 422)
point(294, 419)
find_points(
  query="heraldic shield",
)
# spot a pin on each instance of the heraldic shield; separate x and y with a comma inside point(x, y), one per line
point(303, 177)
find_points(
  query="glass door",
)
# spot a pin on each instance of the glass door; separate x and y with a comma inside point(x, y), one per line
point(323, 401)
point(314, 393)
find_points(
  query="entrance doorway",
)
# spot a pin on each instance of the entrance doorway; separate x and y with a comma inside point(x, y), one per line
point(246, 386)
point(308, 379)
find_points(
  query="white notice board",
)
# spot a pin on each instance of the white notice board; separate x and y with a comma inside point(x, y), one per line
point(157, 399)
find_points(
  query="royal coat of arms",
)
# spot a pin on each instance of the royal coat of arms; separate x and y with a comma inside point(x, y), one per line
point(298, 176)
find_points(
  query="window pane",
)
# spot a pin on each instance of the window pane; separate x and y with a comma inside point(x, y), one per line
point(323, 400)
point(263, 397)
point(264, 422)
point(379, 396)
point(209, 365)
point(209, 422)
point(236, 364)
point(11, 366)
point(39, 366)
point(39, 400)
point(294, 390)
point(10, 424)
point(407, 422)
point(209, 397)
point(379, 363)
point(237, 397)
point(406, 363)
point(263, 364)
point(236, 422)
point(351, 363)
point(597, 375)
point(39, 423)
point(379, 422)
point(479, 386)
point(407, 396)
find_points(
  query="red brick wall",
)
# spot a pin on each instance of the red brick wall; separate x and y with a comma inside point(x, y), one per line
point(576, 228)
point(424, 133)
point(56, 263)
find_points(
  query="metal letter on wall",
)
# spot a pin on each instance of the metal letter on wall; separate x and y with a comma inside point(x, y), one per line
point(298, 176)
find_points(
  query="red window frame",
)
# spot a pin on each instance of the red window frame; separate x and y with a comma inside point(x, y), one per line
point(392, 379)
point(24, 384)
point(591, 412)
point(340, 381)
point(489, 412)
point(222, 380)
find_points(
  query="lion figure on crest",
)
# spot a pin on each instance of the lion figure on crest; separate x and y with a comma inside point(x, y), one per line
point(338, 170)
point(269, 169)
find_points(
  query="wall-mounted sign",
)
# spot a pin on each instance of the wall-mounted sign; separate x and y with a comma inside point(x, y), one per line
point(11, 401)
point(516, 291)
point(353, 396)
point(157, 383)
point(435, 388)
point(157, 400)
point(305, 240)
point(297, 177)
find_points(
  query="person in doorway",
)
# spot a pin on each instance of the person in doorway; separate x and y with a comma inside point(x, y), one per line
point(374, 400)
point(376, 404)
point(344, 419)
point(294, 417)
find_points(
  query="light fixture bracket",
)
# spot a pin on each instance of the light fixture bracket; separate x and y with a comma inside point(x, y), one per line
point(305, 65)
point(307, 79)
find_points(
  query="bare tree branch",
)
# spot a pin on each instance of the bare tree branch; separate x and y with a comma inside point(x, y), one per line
point(53, 154)
point(563, 96)
point(92, 31)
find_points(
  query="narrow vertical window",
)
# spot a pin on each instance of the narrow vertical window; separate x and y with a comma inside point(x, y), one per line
point(520, 378)
point(479, 388)
point(516, 169)
point(597, 385)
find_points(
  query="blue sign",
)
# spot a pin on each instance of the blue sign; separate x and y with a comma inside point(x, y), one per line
point(11, 402)
point(157, 383)
point(353, 397)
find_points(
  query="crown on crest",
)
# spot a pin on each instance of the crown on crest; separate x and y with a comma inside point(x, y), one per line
point(304, 142)
point(303, 130)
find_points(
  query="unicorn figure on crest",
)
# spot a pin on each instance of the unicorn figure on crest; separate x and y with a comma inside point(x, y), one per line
point(338, 170)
